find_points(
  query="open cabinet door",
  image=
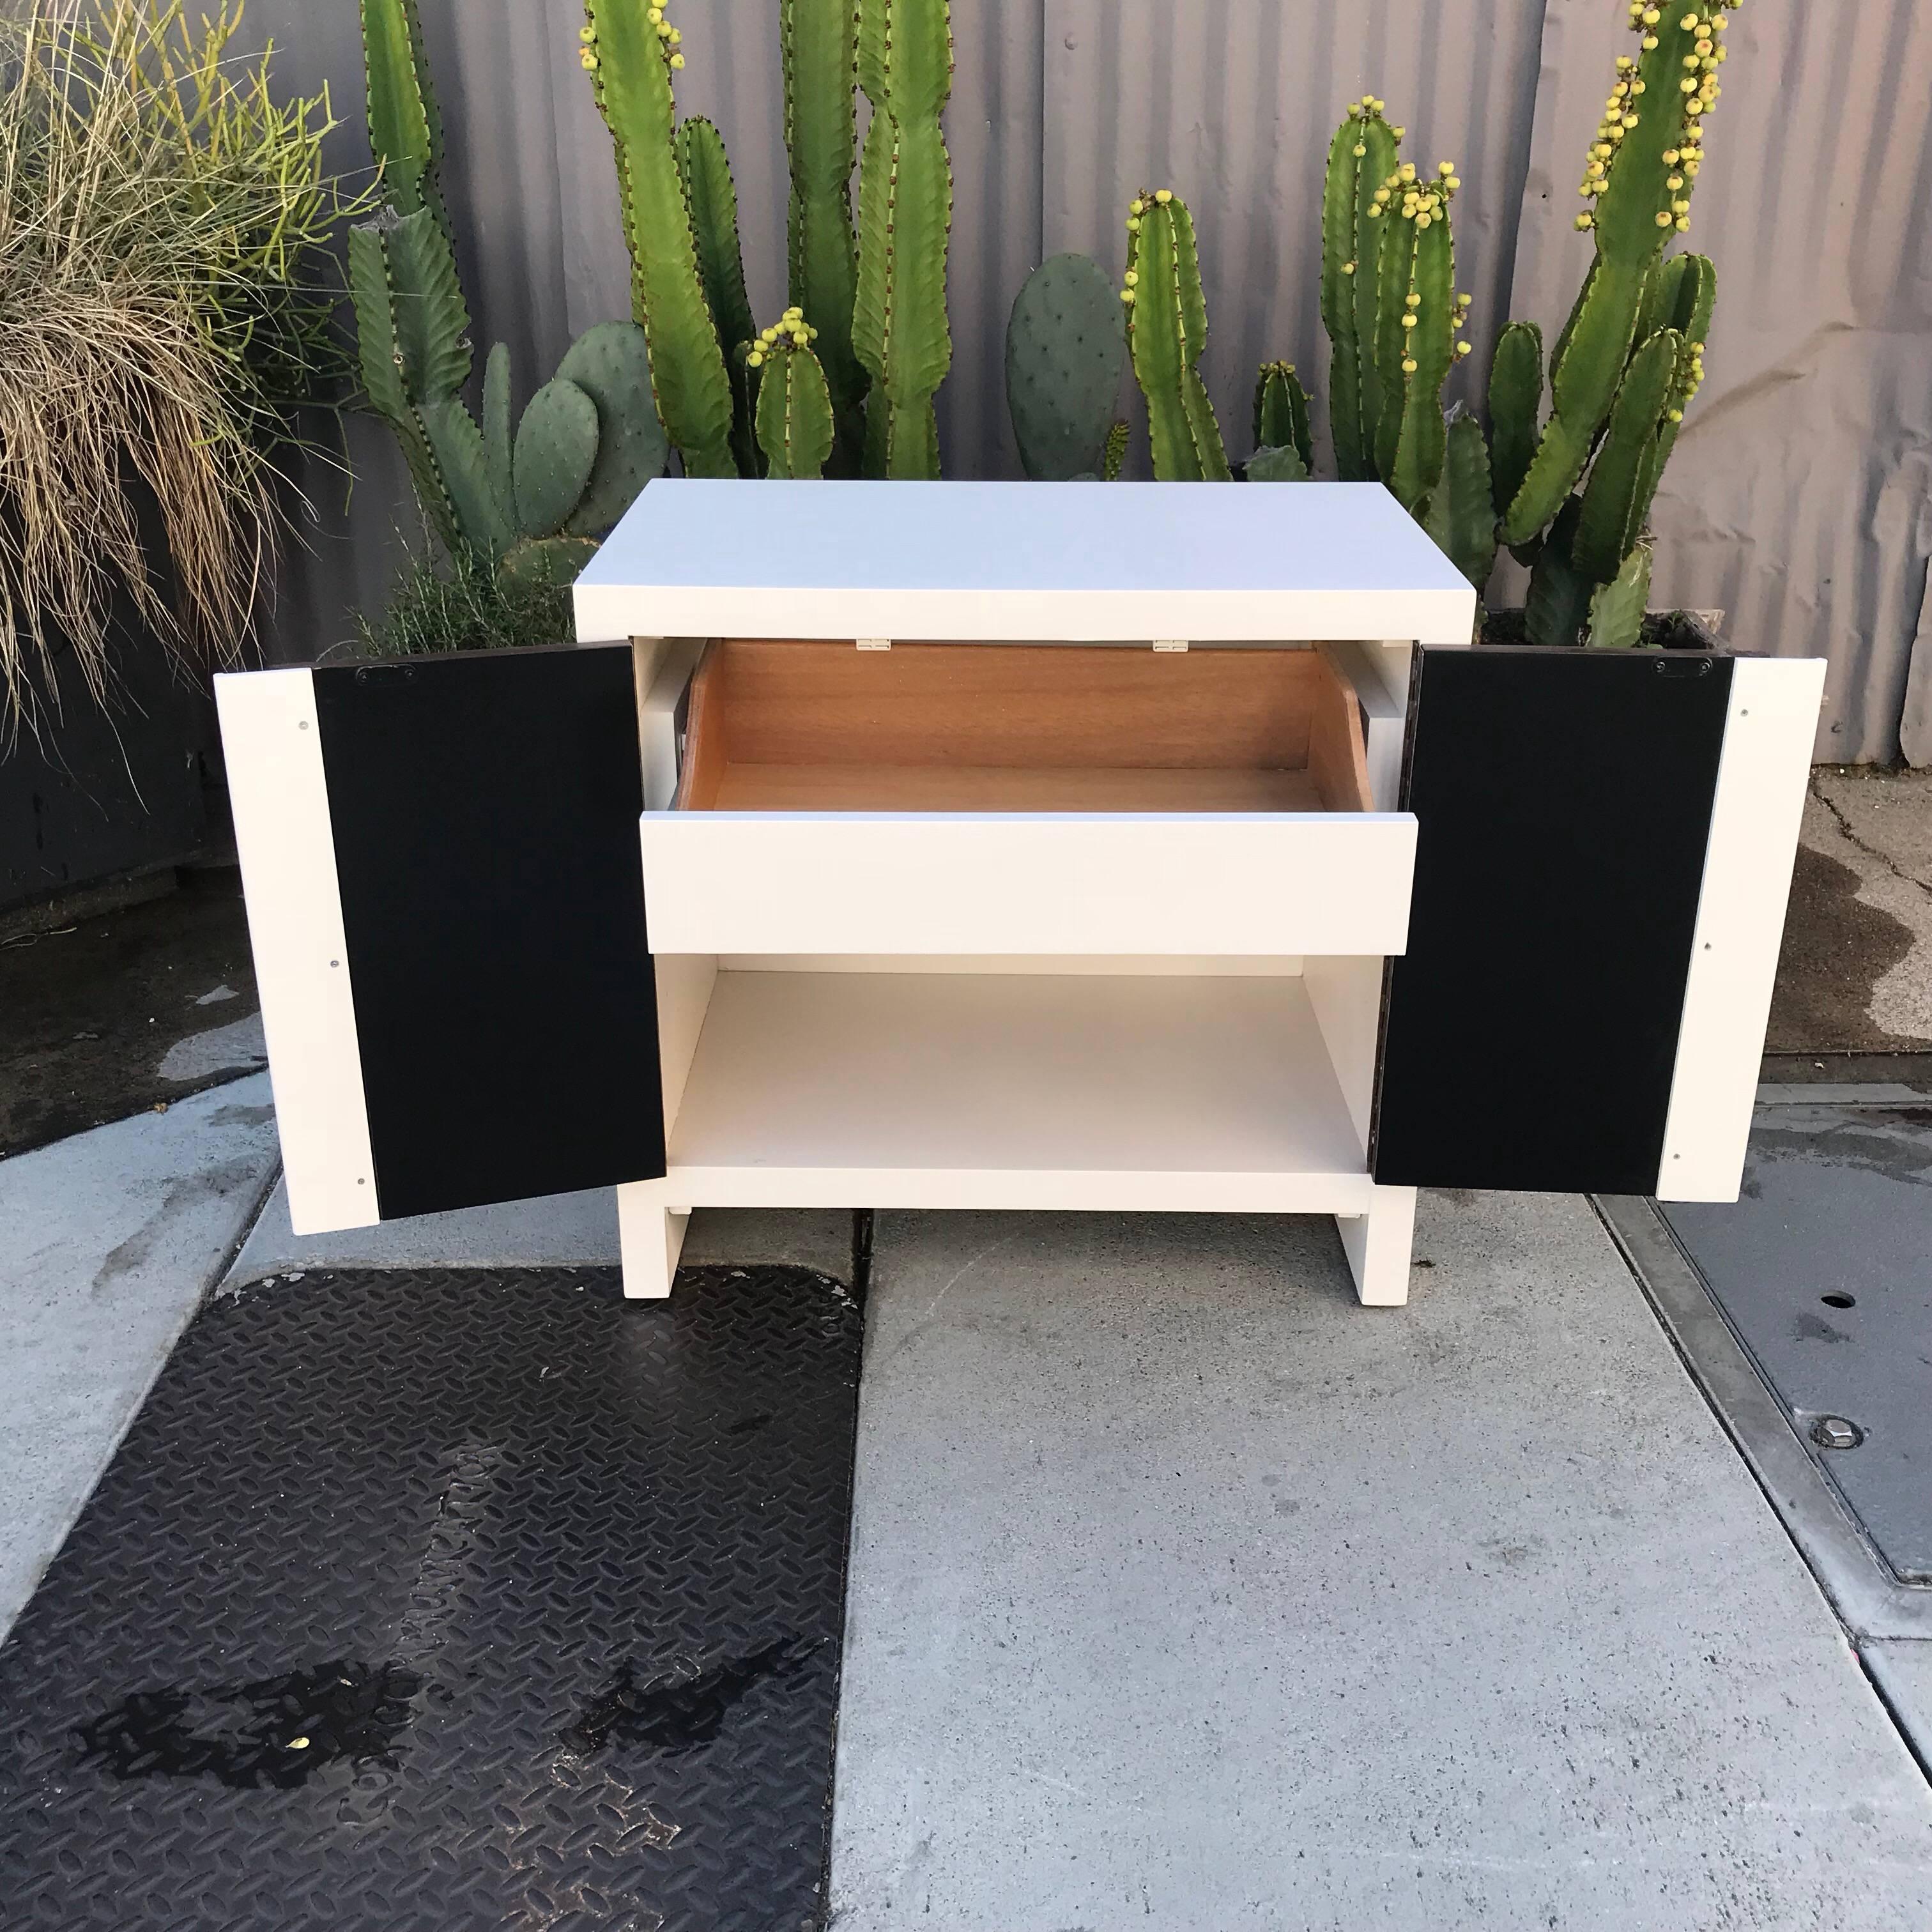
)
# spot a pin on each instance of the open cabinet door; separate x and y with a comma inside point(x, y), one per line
point(1604, 850)
point(446, 907)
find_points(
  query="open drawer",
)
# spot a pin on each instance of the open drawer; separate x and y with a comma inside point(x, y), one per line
point(1031, 799)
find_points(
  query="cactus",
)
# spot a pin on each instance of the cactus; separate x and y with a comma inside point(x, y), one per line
point(1114, 455)
point(1617, 608)
point(797, 429)
point(1281, 413)
point(1642, 164)
point(817, 40)
point(1279, 463)
point(899, 329)
point(1361, 158)
point(1461, 512)
point(631, 59)
point(1064, 354)
point(1515, 397)
point(1617, 497)
point(610, 363)
point(1167, 328)
point(712, 199)
point(405, 129)
point(1418, 316)
point(584, 448)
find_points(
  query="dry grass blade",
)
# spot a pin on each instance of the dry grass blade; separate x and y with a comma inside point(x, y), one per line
point(165, 298)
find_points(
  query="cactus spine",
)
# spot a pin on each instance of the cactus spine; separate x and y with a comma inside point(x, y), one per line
point(795, 426)
point(899, 329)
point(1642, 165)
point(818, 40)
point(1167, 329)
point(1281, 413)
point(631, 57)
point(1064, 354)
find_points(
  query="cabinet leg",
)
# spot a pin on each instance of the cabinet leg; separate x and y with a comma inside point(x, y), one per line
point(1377, 1245)
point(650, 1238)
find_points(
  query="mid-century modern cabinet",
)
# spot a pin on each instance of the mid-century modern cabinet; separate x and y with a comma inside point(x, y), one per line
point(1103, 846)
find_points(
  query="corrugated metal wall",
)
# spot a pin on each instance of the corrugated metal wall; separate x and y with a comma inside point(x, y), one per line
point(1798, 499)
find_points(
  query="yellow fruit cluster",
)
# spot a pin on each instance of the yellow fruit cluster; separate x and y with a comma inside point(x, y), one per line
point(789, 331)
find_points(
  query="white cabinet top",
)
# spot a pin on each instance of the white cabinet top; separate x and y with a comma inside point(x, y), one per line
point(1022, 563)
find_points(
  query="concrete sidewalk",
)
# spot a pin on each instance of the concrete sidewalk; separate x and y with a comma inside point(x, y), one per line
point(1186, 1592)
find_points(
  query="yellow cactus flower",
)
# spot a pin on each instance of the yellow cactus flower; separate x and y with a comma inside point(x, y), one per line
point(1409, 365)
point(1455, 181)
point(755, 360)
point(1651, 15)
point(1359, 151)
point(1163, 196)
point(1466, 348)
point(1127, 296)
point(1135, 206)
point(1348, 268)
point(1132, 278)
point(1422, 220)
point(586, 33)
point(1676, 416)
point(1662, 220)
point(1407, 171)
point(1133, 224)
point(677, 60)
point(1398, 132)
point(1445, 168)
point(1586, 220)
point(1683, 224)
point(1411, 300)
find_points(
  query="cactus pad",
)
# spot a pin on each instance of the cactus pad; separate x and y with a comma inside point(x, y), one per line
point(556, 450)
point(1065, 352)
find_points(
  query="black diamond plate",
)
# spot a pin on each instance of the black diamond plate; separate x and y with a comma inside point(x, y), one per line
point(450, 1601)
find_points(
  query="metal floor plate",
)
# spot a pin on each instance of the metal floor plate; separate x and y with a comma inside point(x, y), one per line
point(450, 1601)
point(1824, 1270)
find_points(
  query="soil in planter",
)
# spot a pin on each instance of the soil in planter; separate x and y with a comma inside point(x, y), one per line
point(125, 1011)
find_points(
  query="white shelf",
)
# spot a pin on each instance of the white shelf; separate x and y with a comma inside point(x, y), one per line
point(1017, 563)
point(1008, 1091)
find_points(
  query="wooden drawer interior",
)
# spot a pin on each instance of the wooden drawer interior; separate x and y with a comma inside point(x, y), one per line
point(779, 725)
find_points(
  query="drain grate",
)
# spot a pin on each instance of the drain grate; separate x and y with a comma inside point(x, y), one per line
point(451, 1601)
point(1822, 1269)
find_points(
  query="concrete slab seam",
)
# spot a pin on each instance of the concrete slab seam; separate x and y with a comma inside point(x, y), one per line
point(1862, 1590)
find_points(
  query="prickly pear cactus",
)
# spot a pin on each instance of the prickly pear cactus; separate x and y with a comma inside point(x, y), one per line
point(1282, 420)
point(1361, 157)
point(899, 329)
point(610, 364)
point(795, 426)
point(818, 44)
point(1065, 351)
point(632, 53)
point(1279, 463)
point(1643, 166)
point(1167, 329)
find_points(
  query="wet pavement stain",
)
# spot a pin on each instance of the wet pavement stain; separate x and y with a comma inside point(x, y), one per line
point(675, 1713)
point(276, 1732)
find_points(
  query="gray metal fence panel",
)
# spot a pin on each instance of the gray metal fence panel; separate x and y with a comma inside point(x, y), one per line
point(1798, 498)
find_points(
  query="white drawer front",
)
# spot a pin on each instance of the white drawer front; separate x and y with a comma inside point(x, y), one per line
point(724, 882)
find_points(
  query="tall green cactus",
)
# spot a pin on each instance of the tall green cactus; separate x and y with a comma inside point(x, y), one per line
point(817, 41)
point(796, 429)
point(1064, 353)
point(1418, 316)
point(1361, 157)
point(1516, 399)
point(1167, 329)
point(1642, 164)
point(630, 57)
point(1461, 514)
point(899, 329)
point(405, 128)
point(1281, 415)
point(712, 199)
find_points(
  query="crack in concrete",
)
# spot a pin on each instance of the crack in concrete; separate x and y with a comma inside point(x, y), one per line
point(1885, 858)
